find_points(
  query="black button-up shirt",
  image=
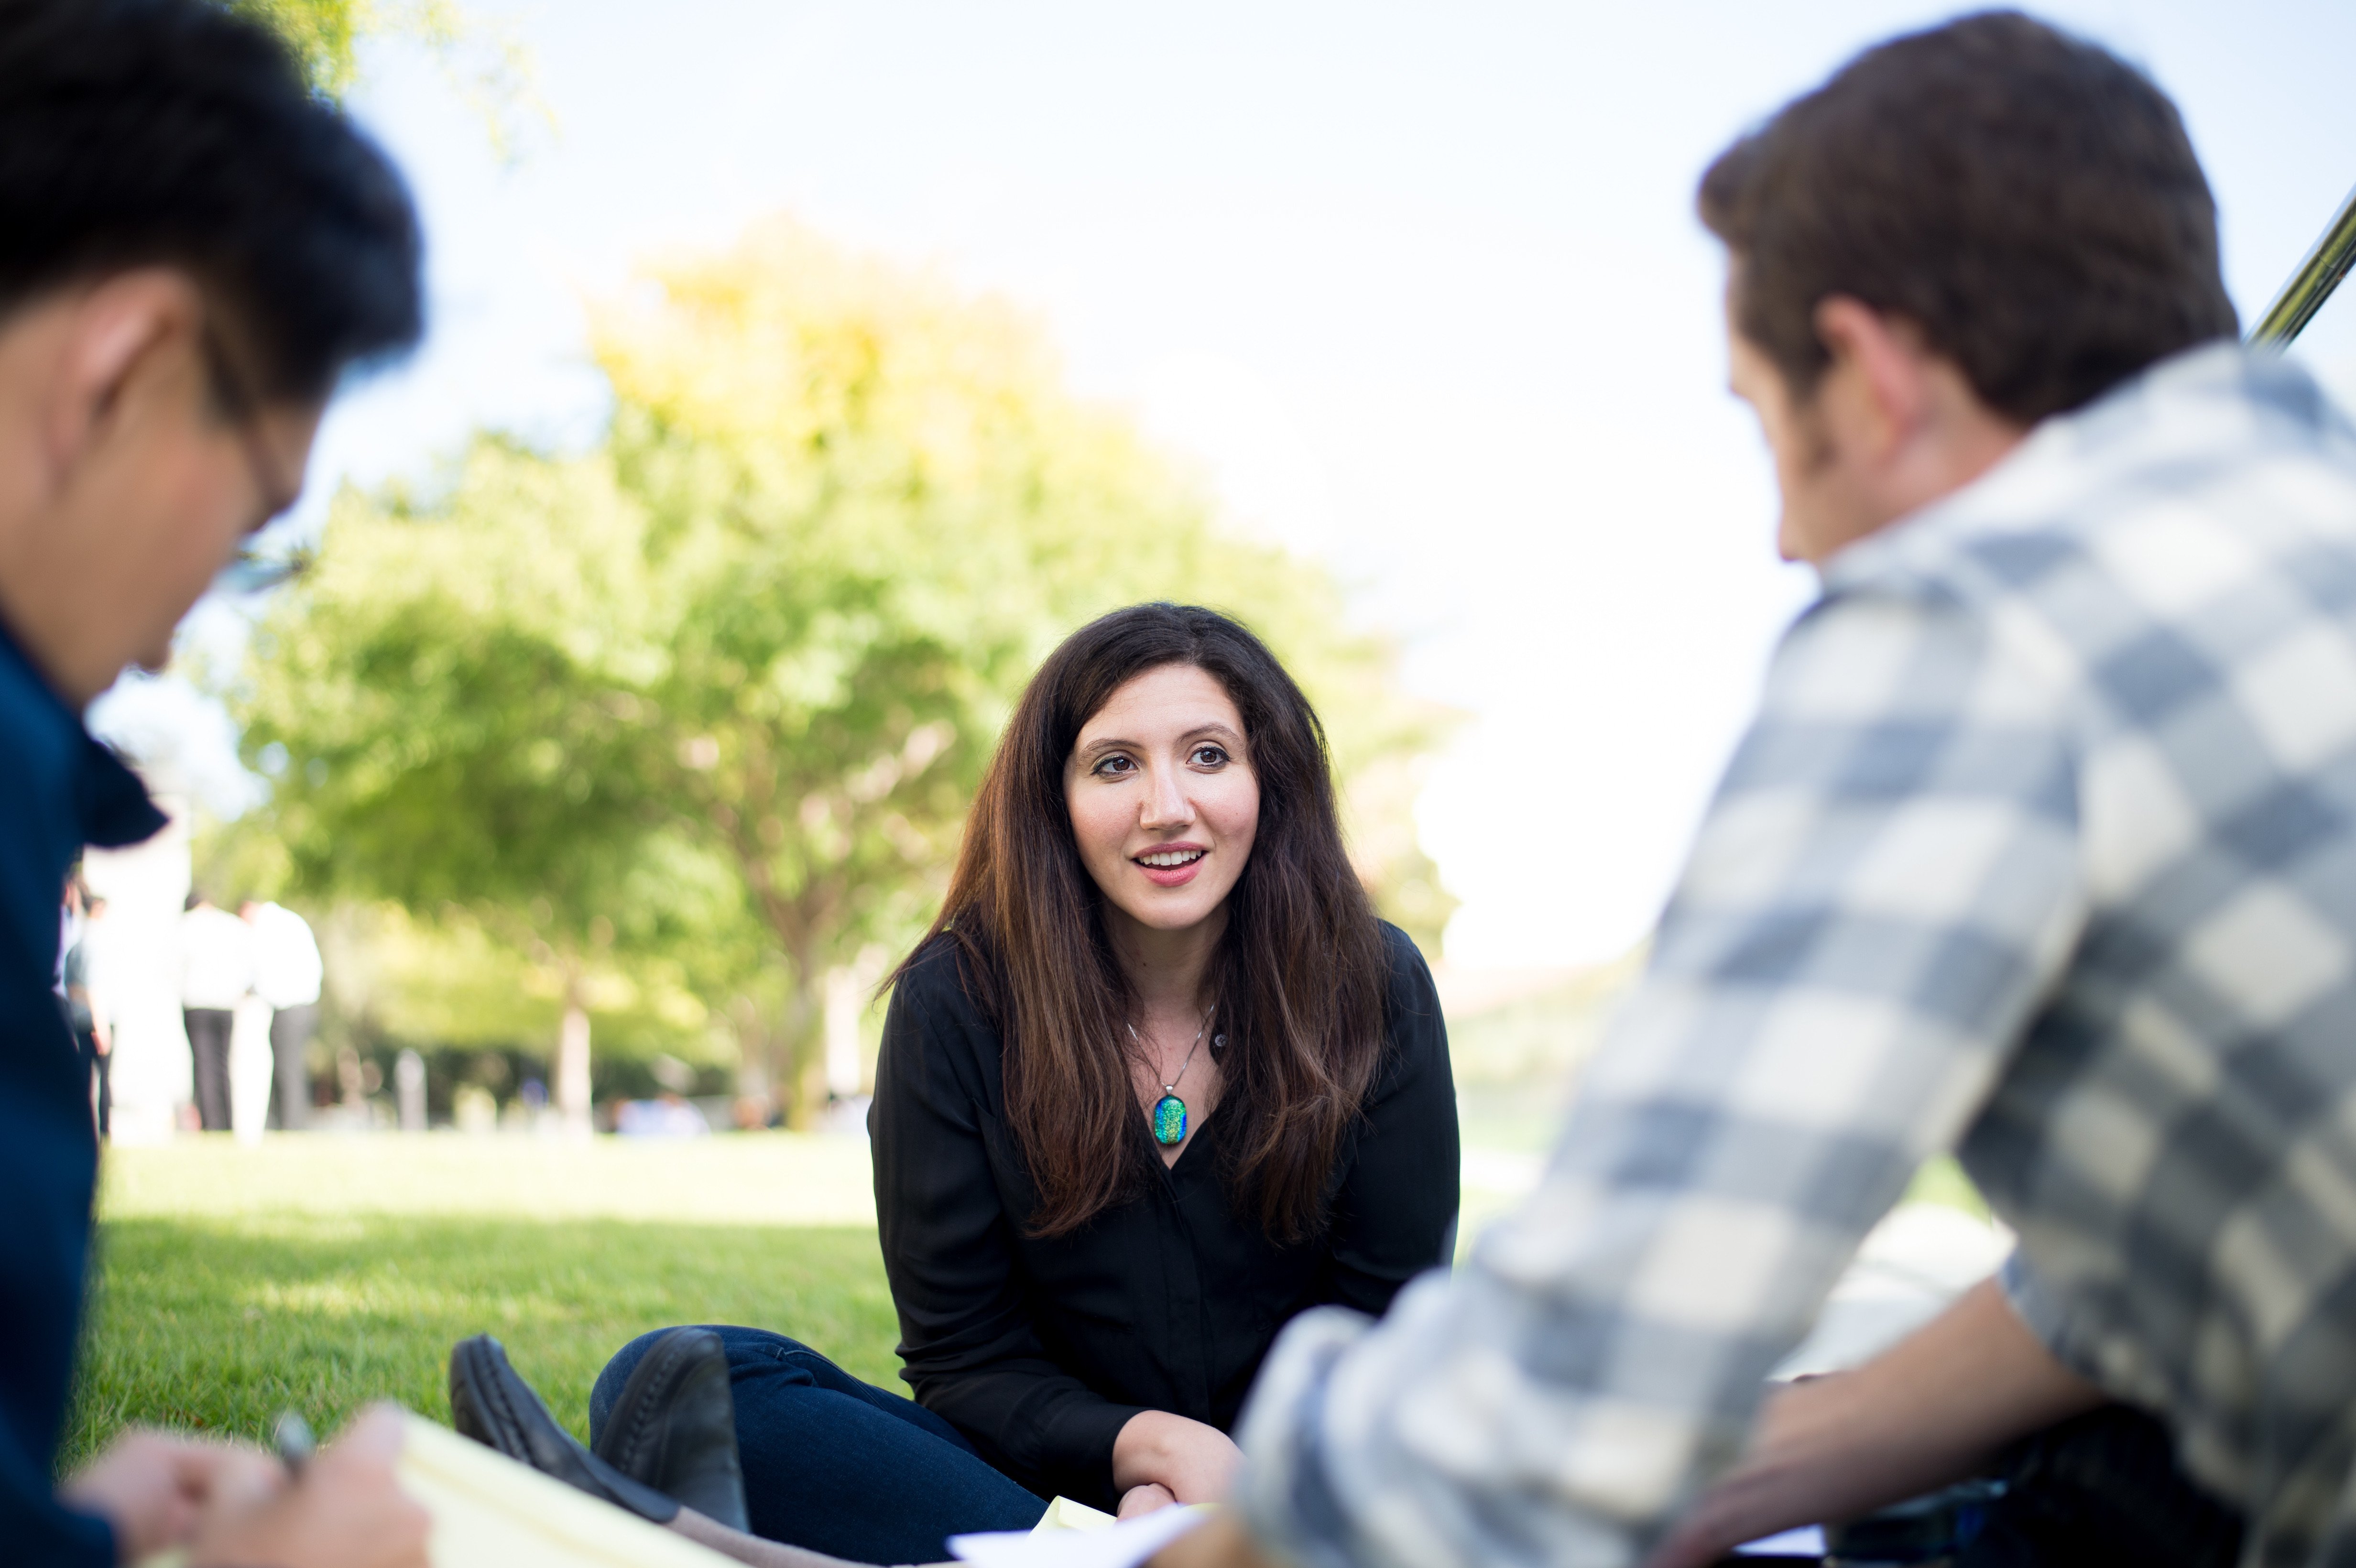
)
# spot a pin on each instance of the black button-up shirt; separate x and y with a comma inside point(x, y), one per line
point(1039, 1351)
point(59, 790)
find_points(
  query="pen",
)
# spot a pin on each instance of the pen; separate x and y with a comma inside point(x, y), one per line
point(294, 1442)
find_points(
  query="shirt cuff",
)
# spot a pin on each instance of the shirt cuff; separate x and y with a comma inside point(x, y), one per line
point(63, 1536)
point(2041, 1311)
point(1080, 1438)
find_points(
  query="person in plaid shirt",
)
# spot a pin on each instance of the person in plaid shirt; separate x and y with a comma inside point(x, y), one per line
point(2043, 848)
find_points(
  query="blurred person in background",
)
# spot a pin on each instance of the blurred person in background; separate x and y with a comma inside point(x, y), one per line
point(287, 974)
point(216, 974)
point(86, 1006)
point(2042, 848)
point(193, 247)
point(667, 1115)
point(1157, 1081)
point(73, 907)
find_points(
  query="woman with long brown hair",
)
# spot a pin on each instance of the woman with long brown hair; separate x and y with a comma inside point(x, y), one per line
point(1156, 1081)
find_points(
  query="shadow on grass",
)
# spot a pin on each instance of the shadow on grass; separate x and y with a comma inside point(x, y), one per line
point(217, 1325)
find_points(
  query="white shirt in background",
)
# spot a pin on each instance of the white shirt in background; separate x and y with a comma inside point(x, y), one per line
point(286, 968)
point(69, 929)
point(215, 958)
point(101, 960)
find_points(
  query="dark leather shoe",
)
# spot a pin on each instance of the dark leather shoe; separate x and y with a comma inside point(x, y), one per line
point(674, 1426)
point(491, 1404)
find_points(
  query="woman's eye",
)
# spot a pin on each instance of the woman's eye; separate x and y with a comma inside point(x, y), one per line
point(1209, 756)
point(1114, 766)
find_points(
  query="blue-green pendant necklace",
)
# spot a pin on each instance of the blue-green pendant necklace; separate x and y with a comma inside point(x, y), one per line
point(1170, 1111)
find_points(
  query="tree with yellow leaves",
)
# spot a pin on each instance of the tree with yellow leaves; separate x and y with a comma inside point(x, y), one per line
point(769, 631)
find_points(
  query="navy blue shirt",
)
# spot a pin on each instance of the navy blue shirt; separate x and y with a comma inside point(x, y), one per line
point(58, 791)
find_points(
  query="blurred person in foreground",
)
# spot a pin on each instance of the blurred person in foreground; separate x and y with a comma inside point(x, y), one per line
point(287, 975)
point(192, 249)
point(2042, 848)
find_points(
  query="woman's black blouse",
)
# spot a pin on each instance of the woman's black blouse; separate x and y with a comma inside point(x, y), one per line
point(1040, 1350)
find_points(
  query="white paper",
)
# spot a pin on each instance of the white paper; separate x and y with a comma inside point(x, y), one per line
point(1808, 1540)
point(1125, 1545)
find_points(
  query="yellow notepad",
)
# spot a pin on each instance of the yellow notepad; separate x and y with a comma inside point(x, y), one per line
point(1065, 1514)
point(491, 1512)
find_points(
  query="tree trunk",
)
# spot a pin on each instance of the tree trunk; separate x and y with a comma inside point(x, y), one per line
point(573, 1065)
point(805, 1043)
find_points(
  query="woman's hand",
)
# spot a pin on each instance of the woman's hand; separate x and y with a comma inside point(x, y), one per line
point(1144, 1500)
point(1190, 1462)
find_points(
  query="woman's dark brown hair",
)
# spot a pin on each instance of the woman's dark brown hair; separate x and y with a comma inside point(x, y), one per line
point(1297, 980)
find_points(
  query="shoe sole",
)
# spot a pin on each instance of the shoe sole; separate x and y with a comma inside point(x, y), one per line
point(636, 1444)
point(475, 1366)
point(651, 1384)
point(482, 1408)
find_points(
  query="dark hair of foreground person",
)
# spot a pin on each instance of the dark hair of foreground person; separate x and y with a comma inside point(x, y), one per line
point(2027, 200)
point(157, 132)
point(1301, 971)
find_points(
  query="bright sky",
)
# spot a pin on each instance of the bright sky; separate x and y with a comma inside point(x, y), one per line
point(1420, 286)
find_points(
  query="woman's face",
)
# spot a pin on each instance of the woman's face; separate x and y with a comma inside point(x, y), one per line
point(1164, 800)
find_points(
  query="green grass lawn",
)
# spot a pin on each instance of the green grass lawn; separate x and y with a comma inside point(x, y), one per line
point(321, 1273)
point(318, 1272)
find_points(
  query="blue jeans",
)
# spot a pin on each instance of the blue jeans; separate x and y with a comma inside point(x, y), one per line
point(838, 1465)
point(2103, 1491)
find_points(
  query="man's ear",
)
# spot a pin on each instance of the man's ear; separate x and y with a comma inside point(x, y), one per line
point(1877, 372)
point(121, 333)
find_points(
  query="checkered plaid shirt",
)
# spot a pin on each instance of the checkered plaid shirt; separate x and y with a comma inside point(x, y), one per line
point(2043, 847)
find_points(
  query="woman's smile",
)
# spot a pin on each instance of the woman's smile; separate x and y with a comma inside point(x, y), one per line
point(1171, 864)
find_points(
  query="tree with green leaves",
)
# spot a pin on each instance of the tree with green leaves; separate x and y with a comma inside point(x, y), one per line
point(323, 34)
point(487, 66)
point(769, 632)
point(457, 692)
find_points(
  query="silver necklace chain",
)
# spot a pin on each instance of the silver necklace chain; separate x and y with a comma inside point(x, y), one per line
point(1171, 1087)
